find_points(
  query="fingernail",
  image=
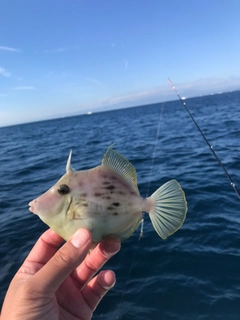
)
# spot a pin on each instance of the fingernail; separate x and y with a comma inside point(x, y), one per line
point(109, 248)
point(107, 279)
point(80, 238)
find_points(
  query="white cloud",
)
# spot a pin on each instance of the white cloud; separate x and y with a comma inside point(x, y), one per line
point(55, 50)
point(25, 88)
point(93, 81)
point(59, 50)
point(62, 49)
point(208, 86)
point(9, 49)
point(165, 93)
point(134, 96)
point(4, 72)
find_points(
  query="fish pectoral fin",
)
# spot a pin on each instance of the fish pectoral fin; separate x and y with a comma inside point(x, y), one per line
point(121, 165)
point(73, 214)
point(170, 209)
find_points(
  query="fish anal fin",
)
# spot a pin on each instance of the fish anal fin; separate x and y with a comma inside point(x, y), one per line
point(128, 230)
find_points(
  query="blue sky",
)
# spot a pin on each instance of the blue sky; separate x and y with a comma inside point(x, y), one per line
point(59, 57)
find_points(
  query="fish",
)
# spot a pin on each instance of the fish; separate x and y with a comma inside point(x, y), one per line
point(106, 201)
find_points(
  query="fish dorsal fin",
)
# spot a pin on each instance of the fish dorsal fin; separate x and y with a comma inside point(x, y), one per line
point(121, 165)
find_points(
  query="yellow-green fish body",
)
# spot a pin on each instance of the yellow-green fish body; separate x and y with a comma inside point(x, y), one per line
point(106, 201)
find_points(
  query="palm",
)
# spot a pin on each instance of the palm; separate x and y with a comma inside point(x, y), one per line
point(71, 303)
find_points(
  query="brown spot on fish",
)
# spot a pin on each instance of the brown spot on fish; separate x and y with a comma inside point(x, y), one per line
point(98, 194)
point(116, 204)
point(113, 178)
point(110, 187)
point(105, 176)
point(115, 213)
point(108, 198)
point(82, 195)
point(85, 204)
point(122, 193)
point(106, 182)
point(110, 208)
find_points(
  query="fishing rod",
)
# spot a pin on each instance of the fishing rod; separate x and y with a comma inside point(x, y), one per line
point(206, 140)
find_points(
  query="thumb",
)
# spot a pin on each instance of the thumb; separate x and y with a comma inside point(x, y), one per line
point(62, 264)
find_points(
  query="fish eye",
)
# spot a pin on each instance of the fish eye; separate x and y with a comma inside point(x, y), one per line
point(63, 189)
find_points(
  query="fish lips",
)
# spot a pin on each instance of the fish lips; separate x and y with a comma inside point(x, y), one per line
point(31, 206)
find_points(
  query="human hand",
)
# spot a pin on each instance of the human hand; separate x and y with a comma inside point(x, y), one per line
point(57, 284)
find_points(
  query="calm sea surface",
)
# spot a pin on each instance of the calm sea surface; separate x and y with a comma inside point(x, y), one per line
point(194, 274)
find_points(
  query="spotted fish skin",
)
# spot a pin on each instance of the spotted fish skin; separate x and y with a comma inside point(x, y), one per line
point(105, 200)
point(104, 203)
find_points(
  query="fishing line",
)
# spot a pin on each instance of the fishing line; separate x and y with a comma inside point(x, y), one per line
point(127, 280)
point(147, 192)
point(155, 149)
point(206, 140)
point(152, 165)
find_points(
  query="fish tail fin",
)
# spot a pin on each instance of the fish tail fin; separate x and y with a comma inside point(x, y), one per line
point(169, 211)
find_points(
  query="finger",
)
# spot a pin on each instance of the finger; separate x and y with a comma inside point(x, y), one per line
point(46, 246)
point(98, 287)
point(94, 261)
point(61, 265)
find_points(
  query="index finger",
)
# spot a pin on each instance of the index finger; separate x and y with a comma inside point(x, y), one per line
point(62, 264)
point(44, 249)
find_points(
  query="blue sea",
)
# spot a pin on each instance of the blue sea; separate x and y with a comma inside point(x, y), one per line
point(195, 273)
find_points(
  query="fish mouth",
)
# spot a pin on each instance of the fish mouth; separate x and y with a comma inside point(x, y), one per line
point(31, 206)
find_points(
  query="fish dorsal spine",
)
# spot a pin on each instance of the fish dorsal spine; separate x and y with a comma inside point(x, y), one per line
point(69, 167)
point(115, 161)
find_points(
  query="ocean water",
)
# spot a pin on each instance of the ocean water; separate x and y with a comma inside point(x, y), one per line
point(195, 273)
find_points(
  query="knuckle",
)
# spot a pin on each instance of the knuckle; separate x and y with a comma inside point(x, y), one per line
point(64, 257)
point(91, 266)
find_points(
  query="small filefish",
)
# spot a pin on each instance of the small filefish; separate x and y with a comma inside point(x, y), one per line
point(106, 201)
